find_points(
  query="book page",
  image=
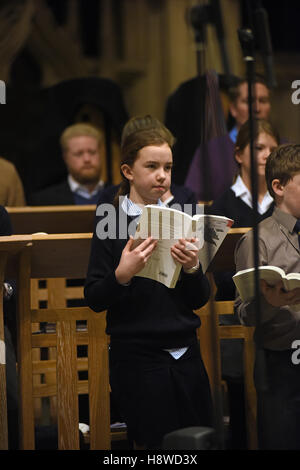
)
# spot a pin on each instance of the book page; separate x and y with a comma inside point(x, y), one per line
point(292, 281)
point(245, 280)
point(211, 231)
point(167, 226)
point(293, 276)
point(161, 266)
point(161, 222)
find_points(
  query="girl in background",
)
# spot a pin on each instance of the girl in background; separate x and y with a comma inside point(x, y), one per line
point(236, 203)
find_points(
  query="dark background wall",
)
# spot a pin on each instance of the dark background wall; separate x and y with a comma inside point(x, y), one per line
point(105, 60)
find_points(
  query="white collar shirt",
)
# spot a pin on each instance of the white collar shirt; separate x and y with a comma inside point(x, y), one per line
point(82, 190)
point(240, 190)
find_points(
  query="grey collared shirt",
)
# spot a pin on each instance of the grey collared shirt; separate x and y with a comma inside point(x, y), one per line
point(278, 246)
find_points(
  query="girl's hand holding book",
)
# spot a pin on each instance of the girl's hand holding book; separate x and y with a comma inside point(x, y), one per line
point(134, 259)
point(186, 253)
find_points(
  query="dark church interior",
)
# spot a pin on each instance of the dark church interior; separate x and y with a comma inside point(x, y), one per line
point(100, 63)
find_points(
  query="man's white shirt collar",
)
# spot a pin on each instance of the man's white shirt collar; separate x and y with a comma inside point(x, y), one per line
point(82, 190)
point(240, 190)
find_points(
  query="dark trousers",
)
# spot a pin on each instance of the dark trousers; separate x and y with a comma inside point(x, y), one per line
point(278, 407)
point(157, 394)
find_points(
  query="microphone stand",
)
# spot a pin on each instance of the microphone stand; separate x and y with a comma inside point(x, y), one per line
point(199, 17)
point(265, 44)
point(247, 43)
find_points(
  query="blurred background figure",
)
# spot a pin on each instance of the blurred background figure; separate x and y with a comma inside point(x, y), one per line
point(238, 107)
point(236, 203)
point(83, 150)
point(216, 156)
point(11, 186)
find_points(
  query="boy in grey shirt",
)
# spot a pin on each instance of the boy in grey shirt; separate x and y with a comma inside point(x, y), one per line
point(278, 407)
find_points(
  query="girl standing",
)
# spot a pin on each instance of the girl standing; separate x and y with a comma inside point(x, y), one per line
point(157, 375)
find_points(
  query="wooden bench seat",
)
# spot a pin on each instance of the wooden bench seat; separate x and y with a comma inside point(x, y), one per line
point(58, 257)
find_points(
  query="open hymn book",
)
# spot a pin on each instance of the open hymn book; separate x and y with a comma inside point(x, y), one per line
point(169, 225)
point(245, 281)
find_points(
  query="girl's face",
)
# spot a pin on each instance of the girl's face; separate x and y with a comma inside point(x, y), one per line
point(150, 175)
point(263, 146)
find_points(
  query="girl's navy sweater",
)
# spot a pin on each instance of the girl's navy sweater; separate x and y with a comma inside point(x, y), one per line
point(145, 311)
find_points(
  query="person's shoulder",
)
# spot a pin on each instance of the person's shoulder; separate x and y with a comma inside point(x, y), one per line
point(227, 194)
point(268, 224)
point(183, 194)
point(222, 202)
point(7, 168)
point(6, 164)
point(5, 222)
point(108, 193)
point(266, 227)
point(54, 188)
point(59, 193)
point(3, 212)
point(188, 86)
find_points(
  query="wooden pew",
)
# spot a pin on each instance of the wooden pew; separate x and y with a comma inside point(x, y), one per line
point(211, 332)
point(66, 256)
point(52, 219)
point(7, 251)
point(60, 256)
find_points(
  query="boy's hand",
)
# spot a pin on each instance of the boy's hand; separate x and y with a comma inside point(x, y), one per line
point(134, 259)
point(277, 296)
point(186, 253)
